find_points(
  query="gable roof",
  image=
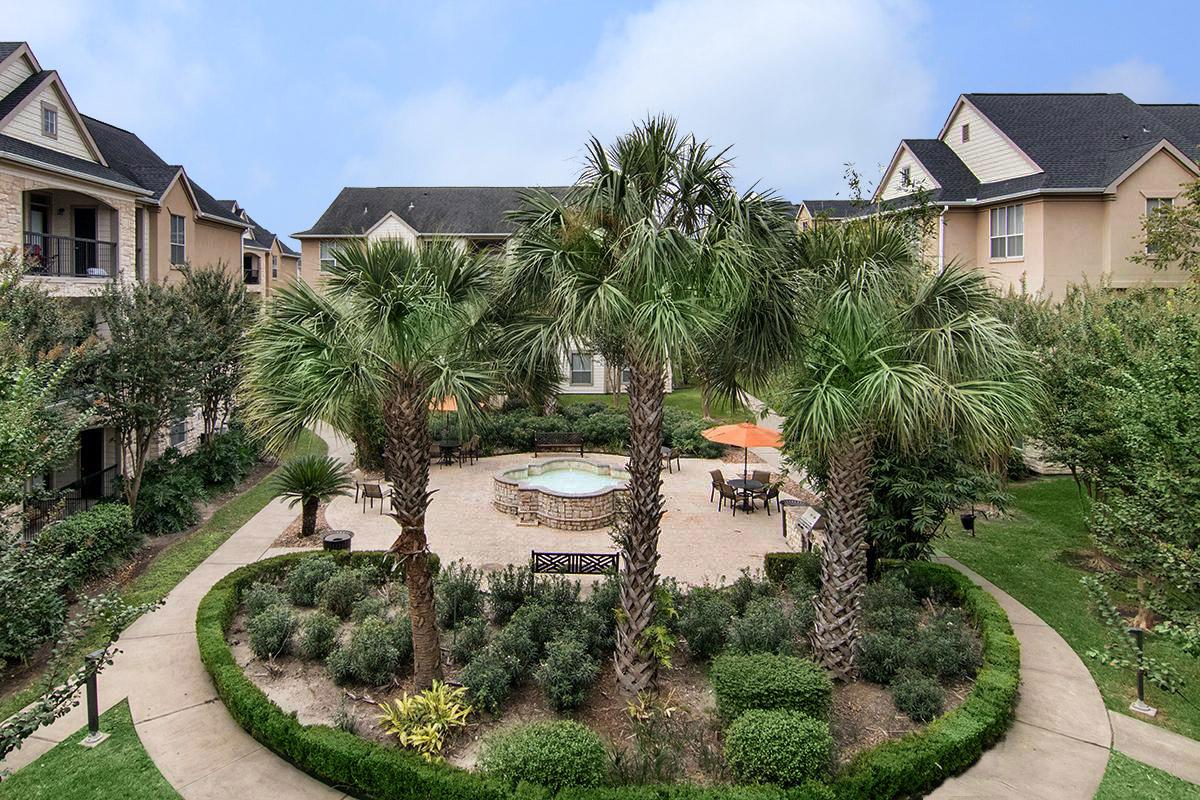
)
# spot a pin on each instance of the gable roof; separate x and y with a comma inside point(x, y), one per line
point(8, 48)
point(955, 181)
point(833, 209)
point(429, 210)
point(260, 237)
point(1184, 118)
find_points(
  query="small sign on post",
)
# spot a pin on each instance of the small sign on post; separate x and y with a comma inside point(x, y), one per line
point(94, 736)
point(800, 534)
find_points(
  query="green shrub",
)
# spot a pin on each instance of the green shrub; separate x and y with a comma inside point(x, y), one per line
point(749, 587)
point(400, 629)
point(763, 628)
point(567, 673)
point(766, 681)
point(271, 631)
point(803, 617)
point(797, 585)
point(917, 695)
point(889, 605)
point(369, 657)
point(946, 647)
point(318, 636)
point(226, 459)
point(704, 619)
point(32, 594)
point(468, 639)
point(458, 594)
point(596, 633)
point(306, 577)
point(260, 596)
point(489, 677)
point(509, 588)
point(682, 431)
point(556, 591)
point(369, 607)
point(783, 747)
point(551, 754)
point(167, 497)
point(92, 543)
point(515, 642)
point(881, 655)
point(780, 566)
point(342, 590)
point(533, 627)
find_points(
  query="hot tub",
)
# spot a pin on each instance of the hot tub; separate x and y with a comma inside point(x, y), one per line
point(572, 494)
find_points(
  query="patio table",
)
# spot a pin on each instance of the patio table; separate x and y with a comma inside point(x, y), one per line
point(448, 447)
point(746, 488)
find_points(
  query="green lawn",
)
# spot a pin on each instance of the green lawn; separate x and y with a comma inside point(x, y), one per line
point(1030, 556)
point(172, 564)
point(686, 399)
point(1126, 779)
point(118, 767)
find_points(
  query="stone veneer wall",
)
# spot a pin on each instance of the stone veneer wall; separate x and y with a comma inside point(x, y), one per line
point(532, 506)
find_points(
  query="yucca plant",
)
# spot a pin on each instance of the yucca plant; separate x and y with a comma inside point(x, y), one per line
point(311, 480)
point(425, 720)
point(890, 352)
point(650, 252)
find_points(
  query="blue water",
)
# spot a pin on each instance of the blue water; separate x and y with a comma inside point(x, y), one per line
point(572, 481)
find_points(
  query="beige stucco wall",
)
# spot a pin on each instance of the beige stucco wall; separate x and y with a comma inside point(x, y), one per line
point(205, 243)
point(15, 181)
point(960, 234)
point(1074, 231)
point(1008, 273)
point(1161, 176)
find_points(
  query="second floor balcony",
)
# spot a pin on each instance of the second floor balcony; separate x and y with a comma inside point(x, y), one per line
point(55, 256)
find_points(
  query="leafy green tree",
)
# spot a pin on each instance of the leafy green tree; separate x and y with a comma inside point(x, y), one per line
point(650, 249)
point(891, 354)
point(1172, 233)
point(221, 313)
point(311, 480)
point(143, 376)
point(396, 325)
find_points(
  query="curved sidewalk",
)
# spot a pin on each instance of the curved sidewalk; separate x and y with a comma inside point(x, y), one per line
point(1058, 745)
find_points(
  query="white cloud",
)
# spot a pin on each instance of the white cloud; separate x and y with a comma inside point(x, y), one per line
point(797, 87)
point(1141, 81)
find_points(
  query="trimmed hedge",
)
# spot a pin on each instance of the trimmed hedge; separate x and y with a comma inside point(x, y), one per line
point(766, 681)
point(779, 566)
point(784, 747)
point(92, 543)
point(904, 767)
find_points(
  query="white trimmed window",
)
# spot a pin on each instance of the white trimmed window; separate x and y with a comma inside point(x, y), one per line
point(1152, 205)
point(178, 240)
point(274, 266)
point(178, 432)
point(49, 121)
point(581, 369)
point(1008, 231)
point(327, 259)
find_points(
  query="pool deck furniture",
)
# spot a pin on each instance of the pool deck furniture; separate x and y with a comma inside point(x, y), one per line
point(471, 451)
point(727, 492)
point(669, 454)
point(552, 441)
point(718, 480)
point(448, 451)
point(574, 563)
point(746, 489)
point(373, 492)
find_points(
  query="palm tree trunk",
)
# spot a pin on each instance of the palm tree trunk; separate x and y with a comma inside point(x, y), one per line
point(308, 518)
point(636, 670)
point(406, 466)
point(844, 556)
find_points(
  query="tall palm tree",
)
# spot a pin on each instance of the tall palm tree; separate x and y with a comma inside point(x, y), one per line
point(651, 247)
point(397, 325)
point(311, 480)
point(890, 352)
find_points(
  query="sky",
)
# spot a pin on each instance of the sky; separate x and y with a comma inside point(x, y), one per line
point(281, 104)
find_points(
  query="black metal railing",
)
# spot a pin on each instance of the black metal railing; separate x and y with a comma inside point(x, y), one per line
point(61, 503)
point(69, 257)
point(251, 275)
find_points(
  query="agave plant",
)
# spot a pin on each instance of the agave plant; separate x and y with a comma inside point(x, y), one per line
point(311, 480)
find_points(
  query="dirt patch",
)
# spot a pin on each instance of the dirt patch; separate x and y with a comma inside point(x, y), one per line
point(863, 716)
point(736, 455)
point(1089, 560)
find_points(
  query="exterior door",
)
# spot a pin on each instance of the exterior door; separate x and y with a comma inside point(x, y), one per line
point(91, 463)
point(85, 239)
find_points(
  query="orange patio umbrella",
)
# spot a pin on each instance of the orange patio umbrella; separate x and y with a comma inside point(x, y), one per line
point(445, 405)
point(744, 435)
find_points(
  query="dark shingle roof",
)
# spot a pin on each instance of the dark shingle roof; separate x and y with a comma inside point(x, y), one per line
point(957, 182)
point(261, 237)
point(1081, 141)
point(7, 49)
point(54, 158)
point(444, 210)
point(1184, 118)
point(23, 90)
point(834, 209)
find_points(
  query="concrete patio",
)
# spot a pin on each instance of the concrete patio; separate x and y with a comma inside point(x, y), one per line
point(697, 543)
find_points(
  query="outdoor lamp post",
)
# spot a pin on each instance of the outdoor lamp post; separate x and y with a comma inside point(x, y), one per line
point(94, 735)
point(1140, 706)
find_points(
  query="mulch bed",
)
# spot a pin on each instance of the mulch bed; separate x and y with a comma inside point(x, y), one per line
point(291, 534)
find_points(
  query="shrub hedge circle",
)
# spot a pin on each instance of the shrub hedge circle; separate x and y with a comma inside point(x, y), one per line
point(909, 766)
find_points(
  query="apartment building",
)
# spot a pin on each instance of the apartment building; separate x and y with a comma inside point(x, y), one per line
point(267, 261)
point(473, 216)
point(1042, 190)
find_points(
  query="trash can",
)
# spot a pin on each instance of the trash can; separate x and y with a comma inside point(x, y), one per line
point(337, 540)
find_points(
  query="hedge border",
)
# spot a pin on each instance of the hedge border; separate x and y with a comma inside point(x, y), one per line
point(366, 769)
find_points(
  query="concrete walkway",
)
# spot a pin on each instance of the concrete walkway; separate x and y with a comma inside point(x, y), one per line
point(1058, 745)
point(184, 727)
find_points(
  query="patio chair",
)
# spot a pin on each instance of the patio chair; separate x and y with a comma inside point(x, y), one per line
point(373, 491)
point(761, 475)
point(727, 492)
point(718, 480)
point(769, 492)
point(469, 451)
point(669, 454)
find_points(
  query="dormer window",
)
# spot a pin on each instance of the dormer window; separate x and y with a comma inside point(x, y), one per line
point(966, 132)
point(49, 121)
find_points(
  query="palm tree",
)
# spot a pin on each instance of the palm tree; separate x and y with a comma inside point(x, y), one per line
point(890, 353)
point(651, 247)
point(311, 480)
point(397, 326)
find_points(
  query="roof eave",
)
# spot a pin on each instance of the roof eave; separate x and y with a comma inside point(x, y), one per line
point(83, 176)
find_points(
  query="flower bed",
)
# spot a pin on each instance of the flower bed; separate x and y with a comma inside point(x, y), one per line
point(909, 765)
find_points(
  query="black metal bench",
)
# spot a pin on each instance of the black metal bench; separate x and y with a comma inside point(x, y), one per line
point(554, 441)
point(574, 563)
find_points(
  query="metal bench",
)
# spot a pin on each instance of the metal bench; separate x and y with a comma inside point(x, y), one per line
point(555, 441)
point(574, 563)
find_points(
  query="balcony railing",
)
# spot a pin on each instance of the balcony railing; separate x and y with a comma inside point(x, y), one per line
point(80, 495)
point(69, 257)
point(251, 275)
